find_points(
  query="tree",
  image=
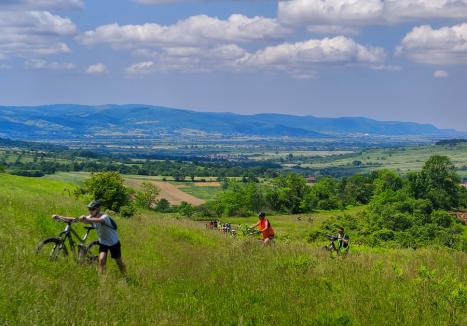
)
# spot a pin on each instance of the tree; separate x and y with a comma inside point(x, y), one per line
point(387, 180)
point(185, 209)
point(108, 188)
point(147, 196)
point(437, 182)
point(163, 206)
point(287, 193)
point(356, 189)
point(323, 195)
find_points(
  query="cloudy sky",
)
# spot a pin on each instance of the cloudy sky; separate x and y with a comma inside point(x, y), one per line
point(385, 59)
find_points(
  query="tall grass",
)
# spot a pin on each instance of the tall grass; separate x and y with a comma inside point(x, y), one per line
point(183, 274)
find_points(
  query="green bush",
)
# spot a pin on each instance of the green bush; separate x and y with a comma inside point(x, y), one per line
point(128, 210)
point(163, 206)
point(147, 196)
point(108, 188)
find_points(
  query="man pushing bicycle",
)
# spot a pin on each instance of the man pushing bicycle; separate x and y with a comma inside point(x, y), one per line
point(107, 232)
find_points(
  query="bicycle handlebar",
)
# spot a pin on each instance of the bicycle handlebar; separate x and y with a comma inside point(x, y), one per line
point(61, 219)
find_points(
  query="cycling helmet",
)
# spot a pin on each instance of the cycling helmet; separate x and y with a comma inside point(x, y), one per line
point(94, 204)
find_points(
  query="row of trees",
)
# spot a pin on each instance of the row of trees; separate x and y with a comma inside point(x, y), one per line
point(180, 170)
point(437, 183)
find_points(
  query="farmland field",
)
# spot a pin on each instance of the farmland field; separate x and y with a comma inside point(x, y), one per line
point(194, 193)
point(404, 159)
point(172, 193)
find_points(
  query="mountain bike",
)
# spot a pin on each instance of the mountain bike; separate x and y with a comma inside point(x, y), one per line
point(332, 246)
point(56, 247)
point(246, 230)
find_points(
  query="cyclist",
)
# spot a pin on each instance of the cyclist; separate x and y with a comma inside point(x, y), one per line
point(342, 241)
point(264, 226)
point(108, 236)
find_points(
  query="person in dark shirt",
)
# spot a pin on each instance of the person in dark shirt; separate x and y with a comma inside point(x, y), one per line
point(342, 241)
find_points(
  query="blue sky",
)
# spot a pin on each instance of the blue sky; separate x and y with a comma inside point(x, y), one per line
point(385, 59)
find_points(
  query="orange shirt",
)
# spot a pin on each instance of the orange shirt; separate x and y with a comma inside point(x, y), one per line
point(265, 232)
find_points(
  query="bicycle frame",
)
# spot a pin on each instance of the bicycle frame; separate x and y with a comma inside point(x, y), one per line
point(68, 233)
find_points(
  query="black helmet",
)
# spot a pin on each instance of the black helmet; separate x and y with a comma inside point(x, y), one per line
point(261, 214)
point(94, 204)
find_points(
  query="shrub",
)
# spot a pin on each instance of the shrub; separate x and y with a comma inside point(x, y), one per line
point(128, 210)
point(163, 206)
point(185, 210)
point(108, 188)
point(147, 196)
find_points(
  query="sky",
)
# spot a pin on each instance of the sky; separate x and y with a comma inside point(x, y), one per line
point(402, 60)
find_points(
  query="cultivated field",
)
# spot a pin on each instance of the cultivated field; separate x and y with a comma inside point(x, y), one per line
point(171, 192)
point(404, 159)
point(194, 193)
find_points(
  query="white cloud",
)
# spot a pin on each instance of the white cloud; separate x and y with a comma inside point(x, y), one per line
point(140, 68)
point(189, 59)
point(29, 33)
point(97, 69)
point(35, 22)
point(440, 74)
point(443, 46)
point(301, 57)
point(42, 64)
point(316, 14)
point(332, 12)
point(191, 31)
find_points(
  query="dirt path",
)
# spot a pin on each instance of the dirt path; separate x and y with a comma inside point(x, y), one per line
point(174, 195)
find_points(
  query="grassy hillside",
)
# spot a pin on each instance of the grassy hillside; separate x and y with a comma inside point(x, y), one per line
point(182, 274)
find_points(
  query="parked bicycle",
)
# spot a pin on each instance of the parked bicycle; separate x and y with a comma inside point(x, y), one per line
point(56, 247)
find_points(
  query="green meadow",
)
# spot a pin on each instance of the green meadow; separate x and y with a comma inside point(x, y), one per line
point(181, 273)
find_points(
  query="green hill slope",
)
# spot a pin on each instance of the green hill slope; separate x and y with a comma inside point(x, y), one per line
point(181, 273)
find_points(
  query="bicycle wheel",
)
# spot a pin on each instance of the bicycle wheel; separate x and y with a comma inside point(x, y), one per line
point(52, 248)
point(92, 252)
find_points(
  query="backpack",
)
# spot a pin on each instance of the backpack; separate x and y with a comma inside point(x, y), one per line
point(112, 225)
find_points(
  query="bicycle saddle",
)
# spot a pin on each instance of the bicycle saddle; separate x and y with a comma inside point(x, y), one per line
point(89, 227)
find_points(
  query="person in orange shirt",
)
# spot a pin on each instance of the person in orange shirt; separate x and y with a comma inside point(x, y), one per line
point(264, 226)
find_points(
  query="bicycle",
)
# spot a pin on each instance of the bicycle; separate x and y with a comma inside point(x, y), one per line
point(332, 246)
point(55, 247)
point(247, 231)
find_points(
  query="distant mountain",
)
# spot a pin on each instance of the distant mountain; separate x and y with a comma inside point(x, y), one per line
point(144, 121)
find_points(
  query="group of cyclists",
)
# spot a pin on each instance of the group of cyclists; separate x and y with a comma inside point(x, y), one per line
point(109, 240)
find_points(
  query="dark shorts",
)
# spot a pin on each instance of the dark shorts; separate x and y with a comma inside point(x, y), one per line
point(115, 250)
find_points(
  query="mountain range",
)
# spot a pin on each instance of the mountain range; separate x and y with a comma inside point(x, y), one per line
point(69, 121)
